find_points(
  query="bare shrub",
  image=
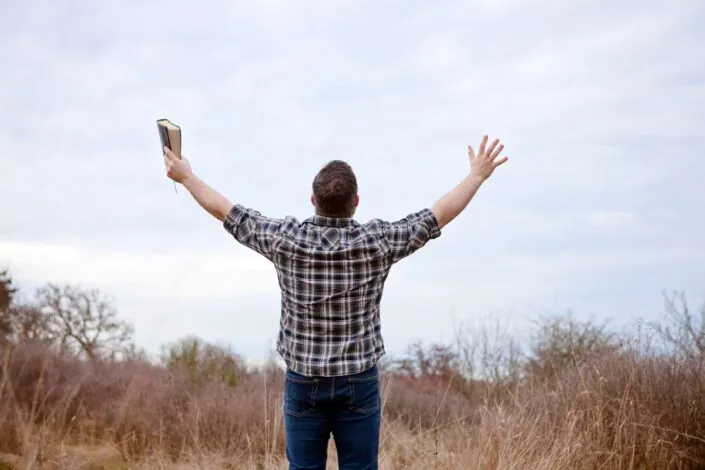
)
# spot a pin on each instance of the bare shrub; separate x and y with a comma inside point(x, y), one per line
point(560, 342)
point(203, 361)
point(140, 407)
point(685, 333)
point(421, 403)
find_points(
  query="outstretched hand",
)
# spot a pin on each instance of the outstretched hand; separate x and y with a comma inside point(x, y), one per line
point(176, 169)
point(484, 163)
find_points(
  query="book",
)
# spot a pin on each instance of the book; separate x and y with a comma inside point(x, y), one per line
point(170, 136)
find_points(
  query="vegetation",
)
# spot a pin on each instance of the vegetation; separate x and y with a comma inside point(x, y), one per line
point(76, 392)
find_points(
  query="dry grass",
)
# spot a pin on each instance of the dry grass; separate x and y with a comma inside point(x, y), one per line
point(622, 411)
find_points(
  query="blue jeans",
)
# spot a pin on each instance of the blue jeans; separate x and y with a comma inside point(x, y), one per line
point(347, 407)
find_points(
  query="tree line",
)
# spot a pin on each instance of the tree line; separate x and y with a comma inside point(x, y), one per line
point(84, 323)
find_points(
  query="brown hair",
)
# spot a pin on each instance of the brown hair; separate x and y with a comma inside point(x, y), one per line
point(334, 189)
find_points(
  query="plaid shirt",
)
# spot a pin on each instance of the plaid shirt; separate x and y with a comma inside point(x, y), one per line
point(331, 274)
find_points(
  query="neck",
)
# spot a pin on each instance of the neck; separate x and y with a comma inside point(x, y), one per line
point(328, 216)
point(332, 216)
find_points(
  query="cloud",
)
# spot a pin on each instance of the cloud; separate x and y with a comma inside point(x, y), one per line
point(599, 105)
point(184, 275)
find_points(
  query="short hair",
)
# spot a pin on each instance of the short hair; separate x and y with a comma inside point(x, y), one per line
point(334, 189)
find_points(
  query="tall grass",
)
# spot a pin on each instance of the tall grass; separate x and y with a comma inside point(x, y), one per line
point(623, 410)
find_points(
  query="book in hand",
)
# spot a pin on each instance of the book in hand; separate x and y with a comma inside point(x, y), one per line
point(170, 136)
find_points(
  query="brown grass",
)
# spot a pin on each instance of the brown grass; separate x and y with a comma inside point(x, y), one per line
point(621, 411)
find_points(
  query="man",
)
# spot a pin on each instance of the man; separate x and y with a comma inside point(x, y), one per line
point(331, 272)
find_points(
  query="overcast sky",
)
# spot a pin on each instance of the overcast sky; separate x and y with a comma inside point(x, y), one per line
point(600, 105)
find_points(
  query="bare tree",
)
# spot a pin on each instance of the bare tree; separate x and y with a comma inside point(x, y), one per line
point(28, 325)
point(488, 351)
point(500, 354)
point(686, 332)
point(82, 322)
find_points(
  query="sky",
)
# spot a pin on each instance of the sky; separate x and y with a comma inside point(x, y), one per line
point(600, 106)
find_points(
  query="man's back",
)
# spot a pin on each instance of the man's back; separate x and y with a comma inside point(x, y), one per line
point(331, 273)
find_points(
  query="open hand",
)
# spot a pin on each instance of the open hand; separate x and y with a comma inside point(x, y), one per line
point(484, 163)
point(176, 169)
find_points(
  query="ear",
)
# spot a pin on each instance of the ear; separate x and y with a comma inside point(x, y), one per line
point(356, 201)
point(313, 200)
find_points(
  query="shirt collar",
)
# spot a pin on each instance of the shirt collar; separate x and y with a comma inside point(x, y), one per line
point(331, 221)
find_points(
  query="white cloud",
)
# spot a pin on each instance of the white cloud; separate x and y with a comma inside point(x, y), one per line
point(180, 276)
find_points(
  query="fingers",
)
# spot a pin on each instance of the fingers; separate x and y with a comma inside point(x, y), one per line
point(500, 161)
point(167, 165)
point(496, 153)
point(492, 147)
point(169, 154)
point(488, 155)
point(483, 144)
point(493, 150)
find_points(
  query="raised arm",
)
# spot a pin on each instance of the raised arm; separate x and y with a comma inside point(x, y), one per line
point(211, 200)
point(482, 165)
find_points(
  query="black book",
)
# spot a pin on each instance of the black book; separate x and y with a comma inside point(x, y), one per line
point(170, 136)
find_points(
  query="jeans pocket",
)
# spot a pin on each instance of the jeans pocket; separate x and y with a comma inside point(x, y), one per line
point(299, 396)
point(365, 396)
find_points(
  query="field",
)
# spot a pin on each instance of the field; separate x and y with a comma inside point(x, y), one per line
point(76, 392)
point(579, 398)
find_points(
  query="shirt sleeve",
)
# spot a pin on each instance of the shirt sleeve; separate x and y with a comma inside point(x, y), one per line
point(252, 229)
point(407, 235)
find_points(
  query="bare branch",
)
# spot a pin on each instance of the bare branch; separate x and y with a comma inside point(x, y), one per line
point(83, 322)
point(686, 332)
